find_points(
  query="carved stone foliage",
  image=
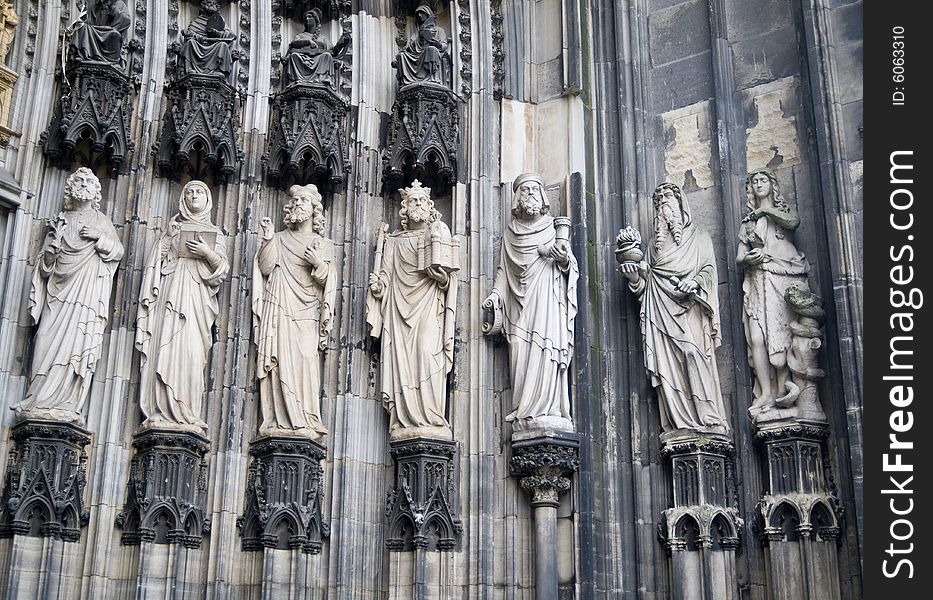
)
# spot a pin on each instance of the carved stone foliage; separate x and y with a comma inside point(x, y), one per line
point(199, 130)
point(42, 495)
point(166, 490)
point(466, 46)
point(91, 124)
point(703, 514)
point(420, 509)
point(545, 465)
point(284, 494)
point(498, 49)
point(307, 139)
point(424, 138)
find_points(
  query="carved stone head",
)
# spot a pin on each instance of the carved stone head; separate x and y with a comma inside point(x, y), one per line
point(305, 202)
point(417, 206)
point(195, 202)
point(760, 185)
point(82, 188)
point(210, 7)
point(529, 199)
point(671, 215)
point(313, 19)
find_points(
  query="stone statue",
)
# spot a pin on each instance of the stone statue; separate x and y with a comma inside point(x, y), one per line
point(310, 56)
point(534, 304)
point(206, 49)
point(8, 22)
point(294, 287)
point(772, 264)
point(100, 37)
point(679, 314)
point(410, 309)
point(70, 300)
point(177, 309)
point(426, 58)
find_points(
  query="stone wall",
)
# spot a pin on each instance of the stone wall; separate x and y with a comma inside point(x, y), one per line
point(605, 100)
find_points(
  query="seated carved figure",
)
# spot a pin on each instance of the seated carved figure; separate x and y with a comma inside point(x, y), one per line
point(206, 49)
point(310, 56)
point(100, 36)
point(426, 58)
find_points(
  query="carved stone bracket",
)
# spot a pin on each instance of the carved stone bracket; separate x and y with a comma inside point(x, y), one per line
point(420, 508)
point(199, 130)
point(166, 490)
point(45, 481)
point(306, 142)
point(545, 465)
point(700, 526)
point(95, 107)
point(284, 494)
point(424, 138)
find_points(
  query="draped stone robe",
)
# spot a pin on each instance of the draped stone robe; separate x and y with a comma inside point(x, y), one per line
point(539, 305)
point(177, 310)
point(681, 334)
point(102, 35)
point(414, 320)
point(210, 56)
point(423, 62)
point(313, 62)
point(71, 302)
point(293, 305)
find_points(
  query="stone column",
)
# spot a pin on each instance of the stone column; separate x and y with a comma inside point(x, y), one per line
point(799, 512)
point(545, 460)
point(701, 531)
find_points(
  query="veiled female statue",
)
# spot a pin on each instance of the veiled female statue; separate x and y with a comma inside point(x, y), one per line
point(206, 49)
point(426, 58)
point(100, 37)
point(310, 56)
point(772, 264)
point(177, 310)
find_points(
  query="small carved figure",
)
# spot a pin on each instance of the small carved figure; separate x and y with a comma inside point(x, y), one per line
point(177, 310)
point(410, 308)
point(679, 314)
point(100, 36)
point(310, 56)
point(534, 304)
point(772, 264)
point(294, 287)
point(70, 300)
point(8, 22)
point(426, 58)
point(207, 46)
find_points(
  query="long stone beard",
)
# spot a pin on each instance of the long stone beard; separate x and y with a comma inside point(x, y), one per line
point(420, 215)
point(297, 214)
point(666, 224)
point(530, 205)
point(83, 195)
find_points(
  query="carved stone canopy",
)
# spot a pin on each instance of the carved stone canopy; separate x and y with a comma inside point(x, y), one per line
point(199, 130)
point(330, 9)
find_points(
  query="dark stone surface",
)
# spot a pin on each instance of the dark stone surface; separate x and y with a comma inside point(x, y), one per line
point(681, 83)
point(678, 32)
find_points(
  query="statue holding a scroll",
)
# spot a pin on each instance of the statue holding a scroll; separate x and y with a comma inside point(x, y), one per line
point(177, 310)
point(410, 309)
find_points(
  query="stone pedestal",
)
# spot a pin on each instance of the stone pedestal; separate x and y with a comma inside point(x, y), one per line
point(166, 489)
point(424, 138)
point(199, 130)
point(306, 139)
point(95, 108)
point(44, 486)
point(701, 531)
point(421, 508)
point(799, 513)
point(545, 460)
point(284, 493)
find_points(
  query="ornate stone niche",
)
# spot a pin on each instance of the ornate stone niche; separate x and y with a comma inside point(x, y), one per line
point(309, 114)
point(799, 513)
point(701, 532)
point(202, 117)
point(284, 493)
point(419, 511)
point(166, 490)
point(8, 22)
point(424, 130)
point(45, 482)
point(91, 125)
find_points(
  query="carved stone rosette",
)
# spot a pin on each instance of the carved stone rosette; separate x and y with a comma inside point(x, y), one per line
point(424, 138)
point(95, 107)
point(420, 509)
point(199, 130)
point(545, 465)
point(166, 490)
point(799, 513)
point(42, 496)
point(702, 531)
point(306, 141)
point(284, 494)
